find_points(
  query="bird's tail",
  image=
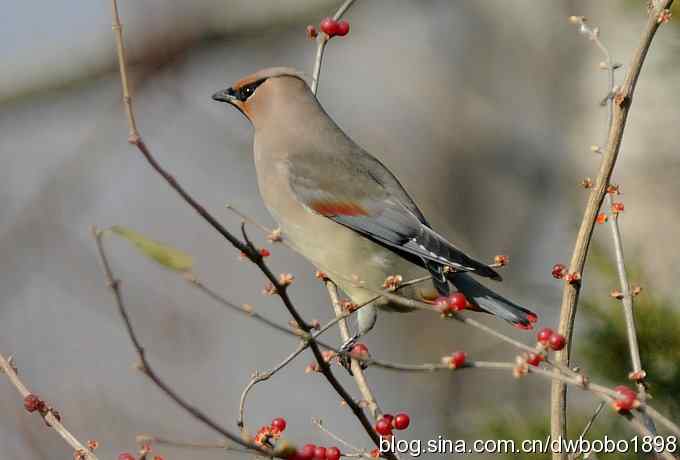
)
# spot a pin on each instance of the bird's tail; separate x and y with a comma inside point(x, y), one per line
point(487, 300)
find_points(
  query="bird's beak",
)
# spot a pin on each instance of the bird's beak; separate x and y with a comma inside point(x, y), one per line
point(226, 95)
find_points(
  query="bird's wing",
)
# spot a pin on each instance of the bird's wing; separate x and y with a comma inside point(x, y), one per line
point(368, 199)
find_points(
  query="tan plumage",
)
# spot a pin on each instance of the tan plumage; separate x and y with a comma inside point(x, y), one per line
point(341, 208)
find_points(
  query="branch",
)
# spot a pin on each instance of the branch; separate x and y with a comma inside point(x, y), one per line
point(52, 421)
point(251, 253)
point(145, 366)
point(627, 296)
point(622, 103)
point(321, 42)
point(355, 365)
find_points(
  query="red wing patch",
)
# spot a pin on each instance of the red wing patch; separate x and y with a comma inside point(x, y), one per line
point(338, 208)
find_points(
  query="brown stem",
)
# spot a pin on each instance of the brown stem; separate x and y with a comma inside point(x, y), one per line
point(622, 103)
point(355, 365)
point(53, 422)
point(146, 367)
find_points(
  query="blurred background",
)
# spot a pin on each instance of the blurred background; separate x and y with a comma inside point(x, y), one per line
point(485, 110)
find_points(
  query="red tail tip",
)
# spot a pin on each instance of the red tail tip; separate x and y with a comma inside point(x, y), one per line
point(525, 326)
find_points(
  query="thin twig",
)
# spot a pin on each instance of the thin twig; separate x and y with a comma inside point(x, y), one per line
point(321, 42)
point(627, 299)
point(148, 439)
point(319, 424)
point(355, 365)
point(53, 422)
point(144, 365)
point(622, 103)
point(251, 253)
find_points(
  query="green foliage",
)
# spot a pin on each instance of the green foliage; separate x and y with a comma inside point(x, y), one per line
point(165, 255)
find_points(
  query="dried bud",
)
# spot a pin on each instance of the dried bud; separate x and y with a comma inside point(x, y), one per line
point(577, 19)
point(92, 444)
point(269, 289)
point(501, 260)
point(286, 279)
point(347, 305)
point(637, 376)
point(247, 308)
point(617, 207)
point(392, 282)
point(616, 294)
point(574, 277)
point(595, 149)
point(613, 189)
point(664, 16)
point(311, 32)
point(275, 236)
point(587, 182)
point(311, 367)
point(321, 275)
point(637, 290)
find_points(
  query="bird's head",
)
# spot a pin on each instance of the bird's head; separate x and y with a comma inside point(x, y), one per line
point(254, 94)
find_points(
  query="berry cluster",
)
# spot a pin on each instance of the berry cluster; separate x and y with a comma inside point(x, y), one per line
point(551, 339)
point(329, 26)
point(388, 422)
point(313, 452)
point(547, 339)
point(266, 434)
point(447, 305)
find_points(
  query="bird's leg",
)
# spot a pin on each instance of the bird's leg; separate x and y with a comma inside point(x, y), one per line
point(343, 356)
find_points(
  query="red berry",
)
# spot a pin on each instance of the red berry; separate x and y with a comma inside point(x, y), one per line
point(306, 453)
point(329, 26)
point(458, 358)
point(602, 218)
point(264, 252)
point(383, 428)
point(617, 207)
point(32, 403)
point(441, 304)
point(126, 456)
point(389, 418)
point(158, 457)
point(558, 271)
point(544, 335)
point(622, 389)
point(333, 453)
point(359, 350)
point(375, 453)
point(401, 421)
point(457, 301)
point(557, 341)
point(320, 453)
point(627, 399)
point(342, 28)
point(534, 359)
point(279, 424)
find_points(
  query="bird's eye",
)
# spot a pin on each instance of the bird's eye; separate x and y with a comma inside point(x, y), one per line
point(247, 91)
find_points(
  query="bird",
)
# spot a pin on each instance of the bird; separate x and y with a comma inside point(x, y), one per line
point(345, 211)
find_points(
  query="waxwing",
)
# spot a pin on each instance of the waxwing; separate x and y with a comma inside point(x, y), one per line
point(343, 210)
